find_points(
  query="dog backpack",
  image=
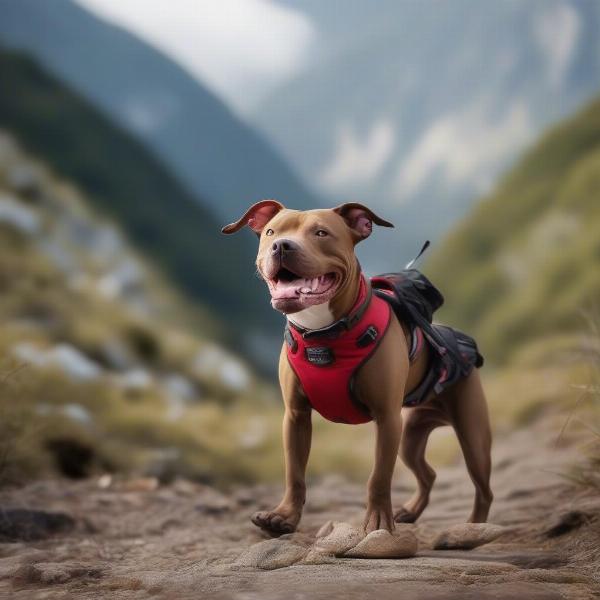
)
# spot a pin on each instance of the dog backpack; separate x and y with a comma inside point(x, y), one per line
point(326, 361)
point(409, 291)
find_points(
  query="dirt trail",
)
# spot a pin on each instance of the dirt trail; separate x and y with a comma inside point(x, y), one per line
point(183, 540)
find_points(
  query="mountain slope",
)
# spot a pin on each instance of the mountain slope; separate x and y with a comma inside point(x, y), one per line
point(210, 150)
point(525, 263)
point(124, 179)
point(100, 365)
point(416, 107)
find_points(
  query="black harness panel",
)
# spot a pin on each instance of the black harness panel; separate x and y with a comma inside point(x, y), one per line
point(414, 299)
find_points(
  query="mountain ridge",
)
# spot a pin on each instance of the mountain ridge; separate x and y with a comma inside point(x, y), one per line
point(216, 155)
point(161, 217)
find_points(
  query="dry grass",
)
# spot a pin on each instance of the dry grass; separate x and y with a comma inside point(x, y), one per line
point(19, 459)
point(586, 413)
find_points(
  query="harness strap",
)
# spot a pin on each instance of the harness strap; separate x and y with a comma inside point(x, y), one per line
point(345, 323)
point(417, 341)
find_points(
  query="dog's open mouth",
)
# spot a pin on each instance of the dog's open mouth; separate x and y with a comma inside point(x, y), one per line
point(287, 285)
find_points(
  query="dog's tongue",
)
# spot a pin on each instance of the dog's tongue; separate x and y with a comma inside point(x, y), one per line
point(297, 287)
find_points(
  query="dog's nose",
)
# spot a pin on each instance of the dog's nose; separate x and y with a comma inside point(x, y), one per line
point(281, 247)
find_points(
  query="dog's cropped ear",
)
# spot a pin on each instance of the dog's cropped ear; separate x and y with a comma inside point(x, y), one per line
point(256, 217)
point(360, 219)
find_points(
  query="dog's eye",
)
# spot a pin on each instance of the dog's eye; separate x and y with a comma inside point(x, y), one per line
point(269, 232)
point(321, 233)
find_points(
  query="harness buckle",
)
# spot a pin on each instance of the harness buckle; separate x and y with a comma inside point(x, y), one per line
point(367, 337)
point(291, 342)
point(320, 356)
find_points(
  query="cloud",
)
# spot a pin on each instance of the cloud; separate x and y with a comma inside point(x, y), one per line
point(557, 33)
point(357, 161)
point(241, 48)
point(464, 149)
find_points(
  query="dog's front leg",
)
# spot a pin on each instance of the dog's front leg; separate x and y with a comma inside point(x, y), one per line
point(388, 423)
point(297, 435)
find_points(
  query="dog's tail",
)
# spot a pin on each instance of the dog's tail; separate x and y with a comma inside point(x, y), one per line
point(418, 256)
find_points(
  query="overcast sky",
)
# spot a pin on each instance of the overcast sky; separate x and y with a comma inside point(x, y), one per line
point(241, 48)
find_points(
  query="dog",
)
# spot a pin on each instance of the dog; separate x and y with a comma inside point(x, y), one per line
point(308, 262)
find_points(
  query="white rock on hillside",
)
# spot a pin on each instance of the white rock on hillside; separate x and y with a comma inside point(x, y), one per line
point(17, 215)
point(212, 361)
point(135, 379)
point(65, 357)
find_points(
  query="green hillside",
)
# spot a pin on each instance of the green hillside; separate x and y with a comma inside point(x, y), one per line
point(127, 182)
point(526, 264)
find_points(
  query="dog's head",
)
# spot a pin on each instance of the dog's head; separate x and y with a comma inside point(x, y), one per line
point(306, 257)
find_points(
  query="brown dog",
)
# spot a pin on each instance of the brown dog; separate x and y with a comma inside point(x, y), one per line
point(308, 262)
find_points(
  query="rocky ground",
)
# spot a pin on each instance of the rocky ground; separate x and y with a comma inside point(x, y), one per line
point(135, 539)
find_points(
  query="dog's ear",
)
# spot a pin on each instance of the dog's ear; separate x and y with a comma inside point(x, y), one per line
point(360, 219)
point(256, 217)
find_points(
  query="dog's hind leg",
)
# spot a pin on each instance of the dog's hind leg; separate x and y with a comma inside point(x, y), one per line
point(470, 419)
point(415, 433)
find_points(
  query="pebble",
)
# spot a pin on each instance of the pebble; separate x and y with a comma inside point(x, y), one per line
point(272, 554)
point(340, 539)
point(30, 525)
point(465, 536)
point(402, 543)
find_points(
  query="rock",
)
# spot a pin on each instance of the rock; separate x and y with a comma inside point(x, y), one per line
point(115, 355)
point(105, 481)
point(18, 216)
point(465, 536)
point(76, 412)
point(340, 539)
point(55, 573)
point(315, 557)
point(566, 522)
point(212, 361)
point(179, 392)
point(272, 554)
point(402, 543)
point(301, 539)
point(63, 356)
point(125, 280)
point(141, 484)
point(135, 379)
point(325, 530)
point(29, 525)
point(212, 502)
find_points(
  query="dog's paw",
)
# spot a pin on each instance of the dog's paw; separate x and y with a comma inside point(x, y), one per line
point(404, 516)
point(274, 523)
point(378, 517)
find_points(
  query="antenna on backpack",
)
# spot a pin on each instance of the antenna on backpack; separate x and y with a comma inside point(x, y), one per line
point(416, 258)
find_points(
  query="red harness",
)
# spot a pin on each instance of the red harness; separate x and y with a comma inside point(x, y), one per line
point(327, 360)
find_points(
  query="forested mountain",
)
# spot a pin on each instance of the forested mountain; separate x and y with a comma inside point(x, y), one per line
point(219, 158)
point(127, 182)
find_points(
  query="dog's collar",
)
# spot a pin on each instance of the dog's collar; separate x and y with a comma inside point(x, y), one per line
point(347, 322)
